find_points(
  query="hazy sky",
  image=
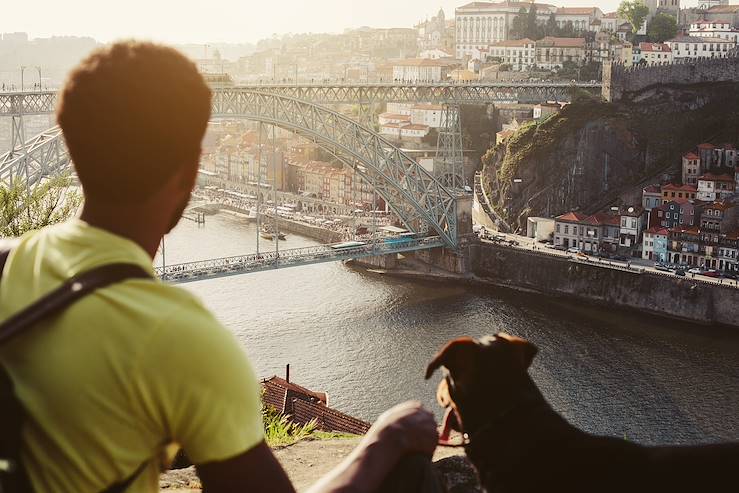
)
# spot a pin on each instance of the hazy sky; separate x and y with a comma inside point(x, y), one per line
point(196, 21)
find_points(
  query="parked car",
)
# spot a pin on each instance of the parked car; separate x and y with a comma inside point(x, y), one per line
point(620, 258)
point(712, 273)
point(573, 250)
point(680, 272)
point(730, 275)
point(662, 267)
point(695, 270)
point(582, 256)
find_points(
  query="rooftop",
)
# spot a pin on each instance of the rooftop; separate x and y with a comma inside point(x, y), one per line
point(571, 217)
point(715, 177)
point(304, 405)
point(562, 42)
point(679, 188)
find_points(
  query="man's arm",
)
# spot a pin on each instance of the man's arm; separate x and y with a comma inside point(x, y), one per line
point(404, 429)
point(256, 470)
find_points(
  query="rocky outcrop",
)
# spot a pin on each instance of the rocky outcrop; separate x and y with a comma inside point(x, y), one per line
point(594, 154)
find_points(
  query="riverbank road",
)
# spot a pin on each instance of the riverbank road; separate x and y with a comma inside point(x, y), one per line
point(636, 265)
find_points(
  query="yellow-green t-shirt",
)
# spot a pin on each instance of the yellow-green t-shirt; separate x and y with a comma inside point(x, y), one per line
point(122, 372)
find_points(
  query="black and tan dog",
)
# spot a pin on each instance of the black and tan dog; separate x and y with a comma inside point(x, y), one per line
point(518, 443)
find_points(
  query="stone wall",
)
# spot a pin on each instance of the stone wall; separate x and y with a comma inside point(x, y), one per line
point(320, 234)
point(660, 294)
point(619, 81)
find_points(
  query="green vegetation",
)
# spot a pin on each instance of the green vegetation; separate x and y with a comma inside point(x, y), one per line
point(536, 139)
point(525, 25)
point(661, 28)
point(23, 210)
point(279, 431)
point(634, 11)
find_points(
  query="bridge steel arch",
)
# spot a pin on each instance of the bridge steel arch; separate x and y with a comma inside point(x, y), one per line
point(44, 155)
point(412, 193)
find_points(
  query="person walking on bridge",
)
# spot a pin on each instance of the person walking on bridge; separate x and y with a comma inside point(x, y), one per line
point(113, 382)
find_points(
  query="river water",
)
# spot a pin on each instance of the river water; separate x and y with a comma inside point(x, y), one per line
point(366, 340)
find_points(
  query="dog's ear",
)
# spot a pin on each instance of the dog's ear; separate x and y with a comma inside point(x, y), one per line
point(455, 355)
point(523, 348)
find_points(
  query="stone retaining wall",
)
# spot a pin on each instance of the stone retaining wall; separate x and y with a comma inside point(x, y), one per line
point(660, 294)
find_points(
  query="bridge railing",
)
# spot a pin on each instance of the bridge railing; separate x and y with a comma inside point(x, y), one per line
point(241, 264)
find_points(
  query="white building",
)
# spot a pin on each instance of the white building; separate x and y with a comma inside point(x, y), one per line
point(386, 118)
point(631, 227)
point(418, 70)
point(480, 24)
point(714, 29)
point(519, 53)
point(426, 114)
point(580, 17)
point(653, 53)
point(698, 47)
point(434, 54)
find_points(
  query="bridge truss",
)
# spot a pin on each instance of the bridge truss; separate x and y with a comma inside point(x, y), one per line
point(418, 199)
point(255, 262)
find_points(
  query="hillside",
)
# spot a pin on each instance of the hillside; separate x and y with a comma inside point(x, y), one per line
point(594, 154)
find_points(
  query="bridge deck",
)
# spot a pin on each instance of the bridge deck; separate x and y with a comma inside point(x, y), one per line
point(245, 264)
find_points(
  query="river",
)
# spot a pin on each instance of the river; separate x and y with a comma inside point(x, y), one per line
point(366, 340)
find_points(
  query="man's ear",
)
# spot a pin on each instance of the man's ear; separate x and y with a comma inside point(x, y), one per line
point(523, 348)
point(455, 356)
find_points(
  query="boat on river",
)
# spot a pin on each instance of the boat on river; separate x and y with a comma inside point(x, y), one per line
point(268, 233)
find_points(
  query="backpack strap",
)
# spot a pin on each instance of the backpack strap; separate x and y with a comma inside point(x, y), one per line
point(70, 291)
point(59, 299)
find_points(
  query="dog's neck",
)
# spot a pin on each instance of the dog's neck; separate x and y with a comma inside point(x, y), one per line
point(483, 414)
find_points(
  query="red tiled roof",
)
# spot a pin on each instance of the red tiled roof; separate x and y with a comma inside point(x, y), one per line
point(706, 146)
point(281, 383)
point(658, 230)
point(304, 405)
point(327, 419)
point(691, 155)
point(562, 42)
point(680, 201)
point(652, 189)
point(693, 230)
point(514, 42)
point(679, 188)
point(714, 177)
point(575, 10)
point(571, 217)
point(602, 218)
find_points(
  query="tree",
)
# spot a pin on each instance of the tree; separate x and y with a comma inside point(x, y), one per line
point(634, 11)
point(518, 24)
point(531, 25)
point(551, 28)
point(661, 28)
point(23, 210)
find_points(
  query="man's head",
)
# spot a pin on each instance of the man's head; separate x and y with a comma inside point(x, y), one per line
point(133, 116)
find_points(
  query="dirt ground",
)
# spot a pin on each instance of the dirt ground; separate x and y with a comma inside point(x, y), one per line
point(307, 461)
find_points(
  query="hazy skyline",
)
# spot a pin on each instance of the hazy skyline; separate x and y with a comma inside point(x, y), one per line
point(232, 21)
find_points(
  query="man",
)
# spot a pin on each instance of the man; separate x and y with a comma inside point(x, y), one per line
point(132, 368)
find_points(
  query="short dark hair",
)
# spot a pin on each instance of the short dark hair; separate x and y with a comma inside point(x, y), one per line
point(132, 115)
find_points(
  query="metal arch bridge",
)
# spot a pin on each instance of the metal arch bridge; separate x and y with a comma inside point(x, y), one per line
point(244, 264)
point(418, 199)
point(44, 102)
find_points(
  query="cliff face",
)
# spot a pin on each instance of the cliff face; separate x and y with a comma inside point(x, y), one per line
point(594, 154)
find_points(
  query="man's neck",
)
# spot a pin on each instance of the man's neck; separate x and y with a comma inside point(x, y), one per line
point(138, 225)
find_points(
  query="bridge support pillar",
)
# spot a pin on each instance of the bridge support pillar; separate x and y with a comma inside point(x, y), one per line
point(449, 161)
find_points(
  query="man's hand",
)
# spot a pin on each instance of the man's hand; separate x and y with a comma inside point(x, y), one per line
point(402, 430)
point(408, 427)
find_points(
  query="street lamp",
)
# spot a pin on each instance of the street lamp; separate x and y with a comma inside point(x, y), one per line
point(23, 69)
point(38, 67)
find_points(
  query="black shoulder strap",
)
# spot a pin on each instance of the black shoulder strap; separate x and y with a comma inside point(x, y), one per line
point(62, 297)
point(72, 290)
point(3, 258)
